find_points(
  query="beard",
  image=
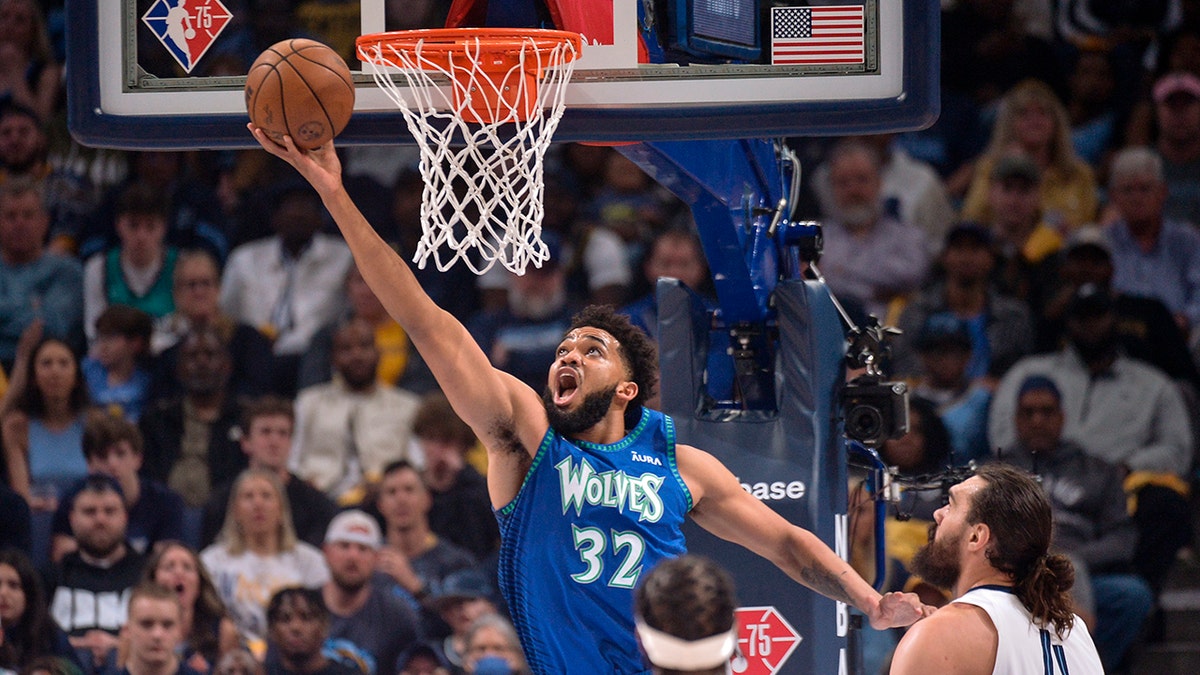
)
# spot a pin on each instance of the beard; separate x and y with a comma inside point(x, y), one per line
point(937, 562)
point(858, 216)
point(573, 422)
point(99, 546)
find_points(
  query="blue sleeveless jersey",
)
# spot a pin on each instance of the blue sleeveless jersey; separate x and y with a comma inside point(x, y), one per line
point(588, 521)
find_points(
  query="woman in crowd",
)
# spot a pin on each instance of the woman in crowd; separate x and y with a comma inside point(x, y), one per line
point(1033, 121)
point(43, 433)
point(208, 632)
point(29, 74)
point(29, 631)
point(257, 553)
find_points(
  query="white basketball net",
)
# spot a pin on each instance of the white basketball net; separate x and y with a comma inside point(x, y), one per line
point(483, 178)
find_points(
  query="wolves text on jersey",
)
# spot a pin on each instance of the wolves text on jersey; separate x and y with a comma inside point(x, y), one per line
point(580, 483)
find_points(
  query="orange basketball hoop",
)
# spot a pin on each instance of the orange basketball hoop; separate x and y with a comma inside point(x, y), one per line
point(487, 134)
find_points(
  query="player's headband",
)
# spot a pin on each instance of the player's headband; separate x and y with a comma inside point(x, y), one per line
point(670, 652)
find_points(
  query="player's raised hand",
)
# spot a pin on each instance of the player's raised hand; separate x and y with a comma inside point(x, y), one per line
point(897, 609)
point(319, 166)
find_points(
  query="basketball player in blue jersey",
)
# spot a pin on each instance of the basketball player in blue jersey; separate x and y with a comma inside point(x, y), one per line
point(589, 486)
point(1012, 612)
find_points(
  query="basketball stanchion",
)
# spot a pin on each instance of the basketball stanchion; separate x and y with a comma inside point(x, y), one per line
point(482, 104)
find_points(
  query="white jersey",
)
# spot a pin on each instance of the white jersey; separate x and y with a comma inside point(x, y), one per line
point(1024, 648)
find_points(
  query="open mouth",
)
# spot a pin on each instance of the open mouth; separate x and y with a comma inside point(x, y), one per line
point(566, 384)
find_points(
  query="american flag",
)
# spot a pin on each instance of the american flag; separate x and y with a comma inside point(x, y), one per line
point(816, 35)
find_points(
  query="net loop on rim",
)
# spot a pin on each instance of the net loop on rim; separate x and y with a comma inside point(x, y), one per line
point(482, 104)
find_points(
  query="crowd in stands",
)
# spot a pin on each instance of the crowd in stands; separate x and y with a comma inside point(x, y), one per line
point(221, 455)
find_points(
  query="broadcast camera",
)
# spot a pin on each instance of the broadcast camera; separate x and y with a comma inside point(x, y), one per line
point(873, 410)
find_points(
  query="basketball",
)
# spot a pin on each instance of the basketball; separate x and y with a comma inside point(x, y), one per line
point(301, 88)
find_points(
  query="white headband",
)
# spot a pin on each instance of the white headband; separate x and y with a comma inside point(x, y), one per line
point(668, 651)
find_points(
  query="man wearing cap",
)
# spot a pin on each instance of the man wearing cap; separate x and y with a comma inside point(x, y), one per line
point(1153, 255)
point(1025, 242)
point(1091, 523)
point(1001, 328)
point(370, 617)
point(1177, 112)
point(944, 347)
point(1146, 327)
point(1121, 410)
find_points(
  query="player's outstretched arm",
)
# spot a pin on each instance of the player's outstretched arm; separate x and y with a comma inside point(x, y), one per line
point(728, 511)
point(480, 394)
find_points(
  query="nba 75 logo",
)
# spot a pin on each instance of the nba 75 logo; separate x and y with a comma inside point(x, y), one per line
point(187, 28)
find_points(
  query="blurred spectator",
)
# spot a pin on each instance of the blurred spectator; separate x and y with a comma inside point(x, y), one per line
point(257, 554)
point(191, 440)
point(1177, 112)
point(34, 283)
point(493, 648)
point(1026, 243)
point(422, 659)
point(113, 446)
point(986, 51)
point(1000, 326)
point(461, 510)
point(138, 271)
point(520, 338)
point(391, 342)
point(207, 632)
point(43, 433)
point(416, 558)
point(90, 586)
point(239, 662)
point(298, 624)
point(193, 211)
point(115, 372)
point(944, 349)
point(869, 256)
point(1128, 29)
point(153, 633)
point(1153, 255)
point(911, 190)
point(367, 615)
point(29, 72)
point(347, 430)
point(633, 206)
point(1122, 411)
point(1091, 522)
point(1032, 121)
point(30, 632)
point(266, 438)
point(1092, 109)
point(288, 285)
point(1146, 329)
point(465, 596)
point(197, 285)
point(68, 197)
point(677, 253)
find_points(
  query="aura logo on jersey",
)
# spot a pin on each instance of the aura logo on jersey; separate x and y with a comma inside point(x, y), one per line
point(581, 484)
